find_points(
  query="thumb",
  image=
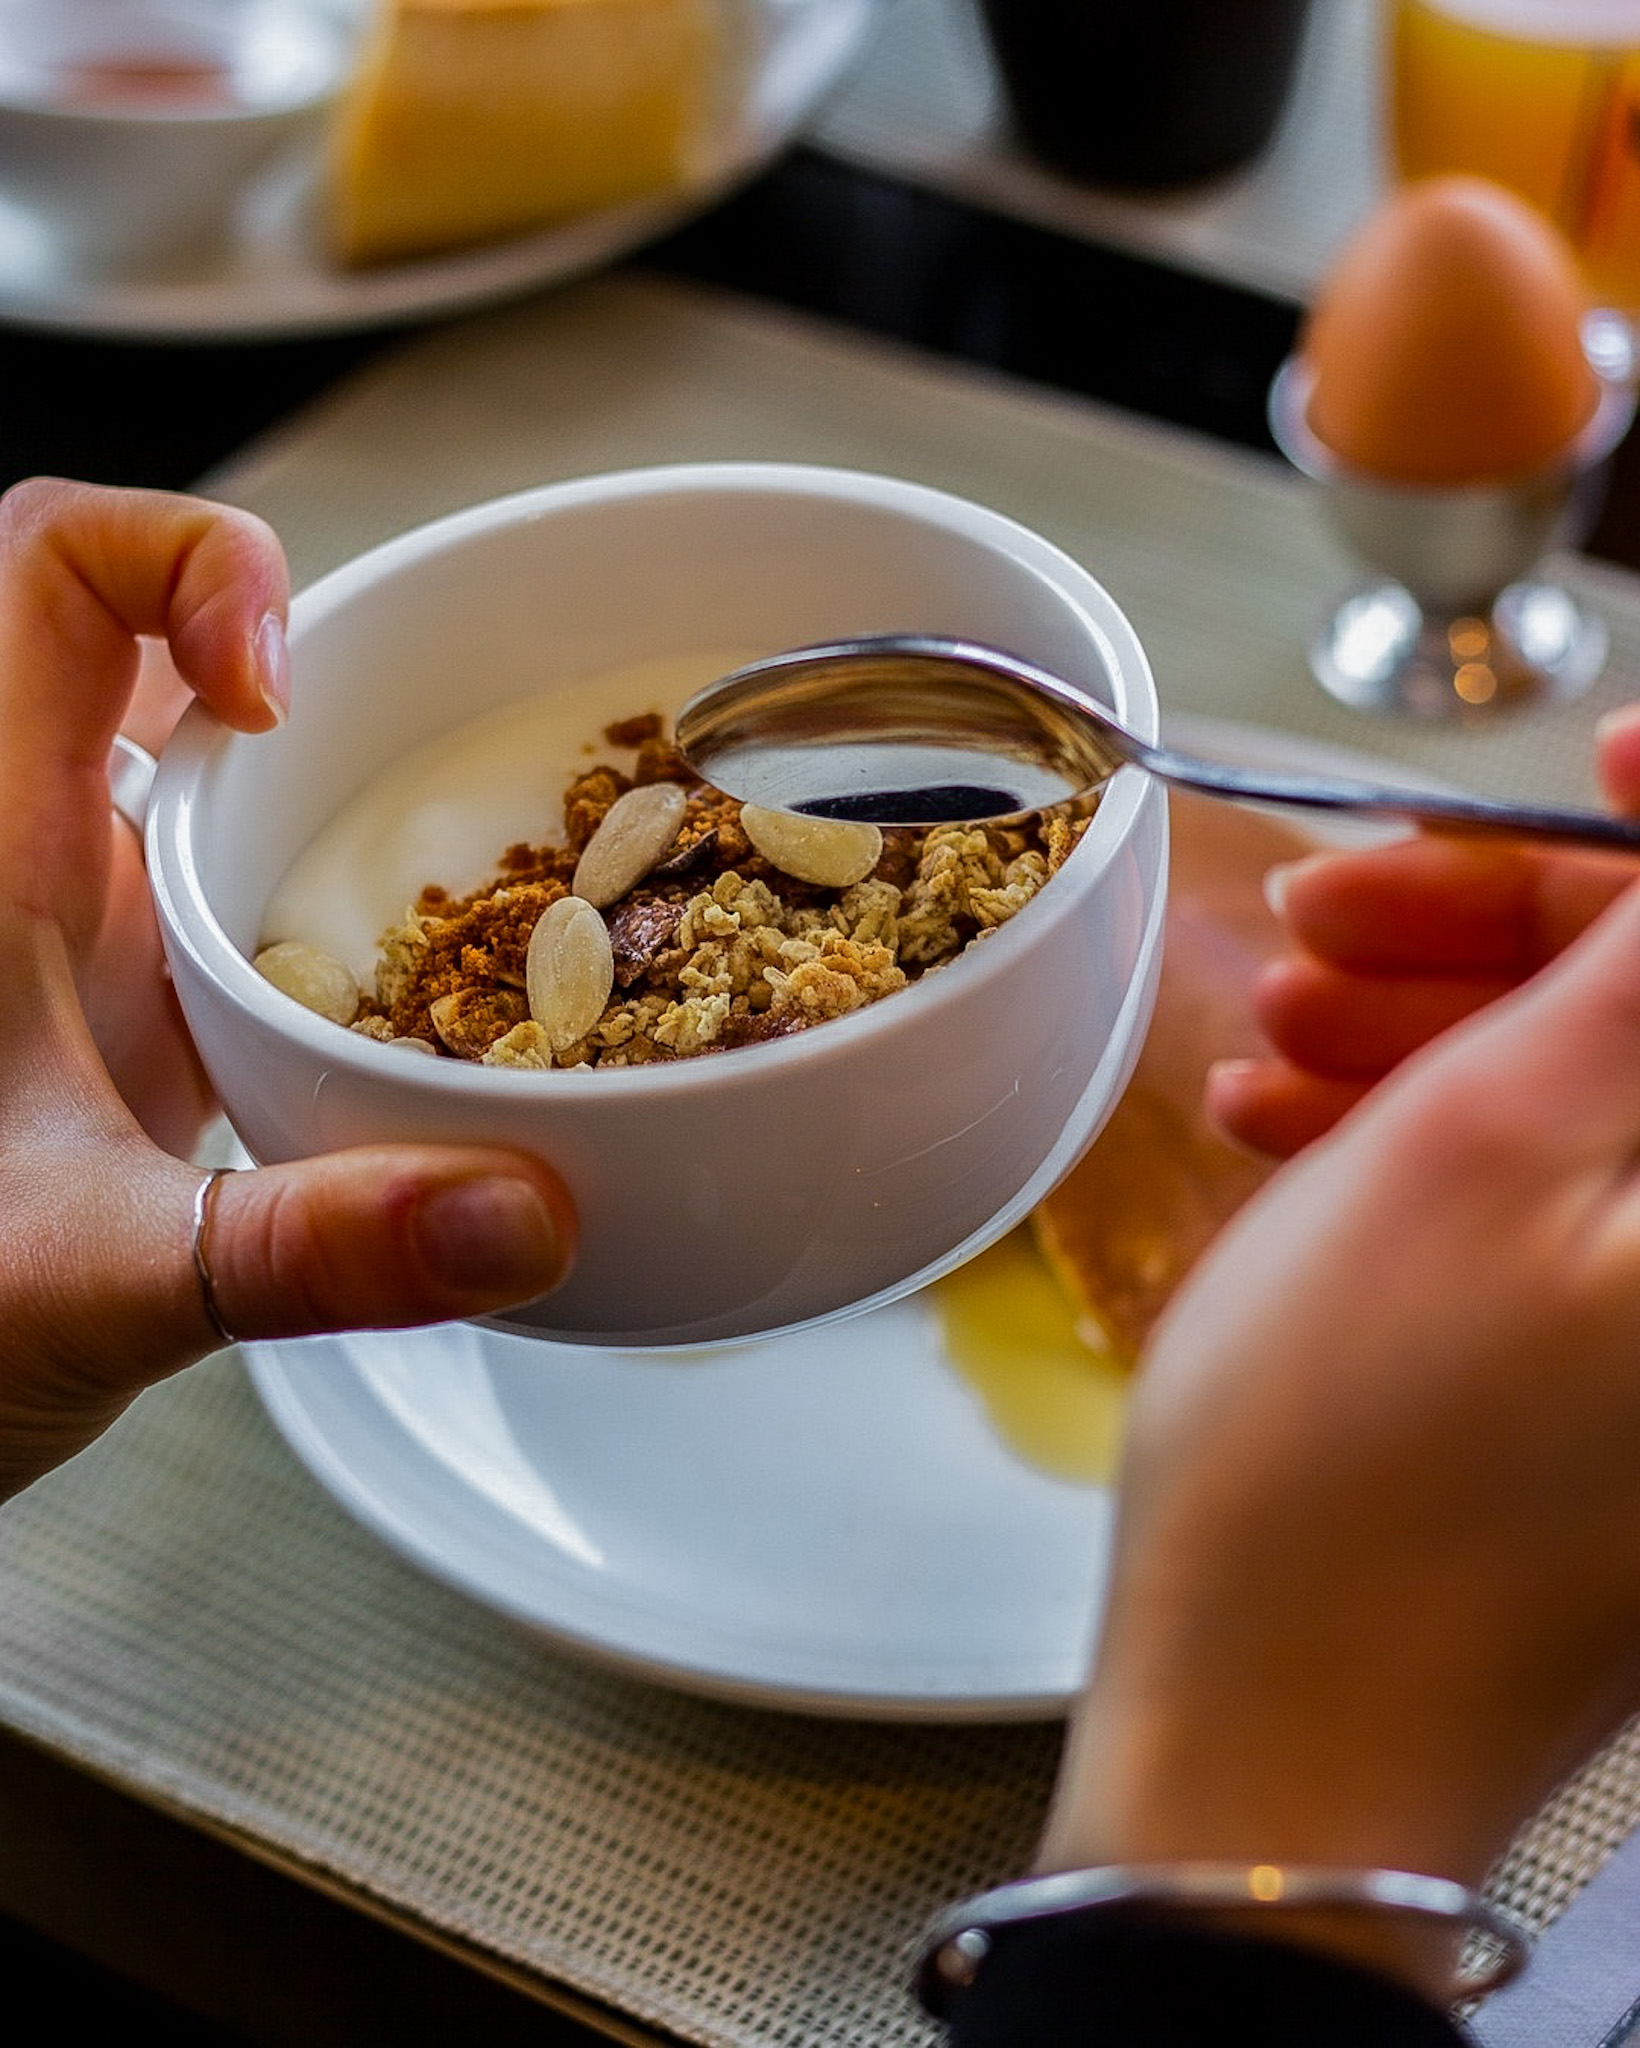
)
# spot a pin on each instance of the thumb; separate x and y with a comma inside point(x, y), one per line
point(99, 1291)
point(1562, 1051)
point(382, 1237)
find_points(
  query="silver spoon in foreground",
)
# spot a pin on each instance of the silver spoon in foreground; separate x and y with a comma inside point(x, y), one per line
point(907, 729)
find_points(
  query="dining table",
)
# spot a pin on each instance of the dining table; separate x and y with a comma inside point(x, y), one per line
point(261, 1755)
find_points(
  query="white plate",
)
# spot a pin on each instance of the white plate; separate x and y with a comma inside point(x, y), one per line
point(275, 280)
point(825, 1521)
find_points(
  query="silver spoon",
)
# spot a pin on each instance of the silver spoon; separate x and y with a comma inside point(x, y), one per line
point(911, 729)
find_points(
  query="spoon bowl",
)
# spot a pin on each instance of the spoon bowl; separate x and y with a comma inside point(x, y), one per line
point(915, 729)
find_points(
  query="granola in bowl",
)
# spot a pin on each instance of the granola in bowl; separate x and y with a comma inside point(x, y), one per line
point(666, 920)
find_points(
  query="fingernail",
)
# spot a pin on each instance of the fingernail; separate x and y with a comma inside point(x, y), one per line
point(1222, 1091)
point(1278, 881)
point(495, 1238)
point(273, 665)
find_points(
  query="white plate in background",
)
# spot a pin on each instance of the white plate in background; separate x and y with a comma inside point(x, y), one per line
point(276, 282)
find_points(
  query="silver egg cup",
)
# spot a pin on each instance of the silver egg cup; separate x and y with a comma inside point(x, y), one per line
point(1454, 624)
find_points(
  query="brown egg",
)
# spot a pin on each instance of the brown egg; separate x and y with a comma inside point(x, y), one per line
point(1446, 346)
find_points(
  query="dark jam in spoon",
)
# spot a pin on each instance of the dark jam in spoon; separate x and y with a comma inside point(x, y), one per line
point(946, 803)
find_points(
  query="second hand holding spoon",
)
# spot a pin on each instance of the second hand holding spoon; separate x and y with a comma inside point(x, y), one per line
point(913, 729)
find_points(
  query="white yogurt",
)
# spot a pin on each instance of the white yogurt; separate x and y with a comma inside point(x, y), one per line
point(446, 812)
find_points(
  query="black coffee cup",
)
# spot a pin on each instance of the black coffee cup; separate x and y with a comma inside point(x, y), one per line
point(1146, 93)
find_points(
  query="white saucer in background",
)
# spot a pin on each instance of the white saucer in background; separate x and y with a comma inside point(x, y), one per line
point(275, 281)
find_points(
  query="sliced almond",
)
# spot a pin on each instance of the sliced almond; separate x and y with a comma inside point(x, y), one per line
point(832, 853)
point(637, 829)
point(315, 980)
point(569, 970)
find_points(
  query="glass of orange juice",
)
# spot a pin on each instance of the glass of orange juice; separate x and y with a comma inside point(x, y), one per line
point(1541, 95)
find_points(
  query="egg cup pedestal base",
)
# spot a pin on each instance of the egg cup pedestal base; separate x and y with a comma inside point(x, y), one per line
point(1383, 652)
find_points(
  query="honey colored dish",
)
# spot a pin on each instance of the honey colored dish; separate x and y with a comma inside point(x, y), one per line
point(1151, 1193)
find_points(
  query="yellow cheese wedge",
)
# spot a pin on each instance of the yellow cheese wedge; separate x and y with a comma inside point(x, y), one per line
point(474, 119)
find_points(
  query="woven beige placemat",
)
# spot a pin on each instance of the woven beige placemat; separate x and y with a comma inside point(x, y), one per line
point(926, 106)
point(185, 1610)
point(1222, 558)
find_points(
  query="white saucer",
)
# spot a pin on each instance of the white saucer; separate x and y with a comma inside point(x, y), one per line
point(274, 280)
point(825, 1521)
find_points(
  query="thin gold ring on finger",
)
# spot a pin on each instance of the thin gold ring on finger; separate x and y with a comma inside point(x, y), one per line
point(204, 1204)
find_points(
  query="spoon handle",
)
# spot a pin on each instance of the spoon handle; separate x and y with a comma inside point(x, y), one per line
point(1377, 799)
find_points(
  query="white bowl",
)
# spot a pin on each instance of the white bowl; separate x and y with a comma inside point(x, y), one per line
point(130, 128)
point(737, 1193)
